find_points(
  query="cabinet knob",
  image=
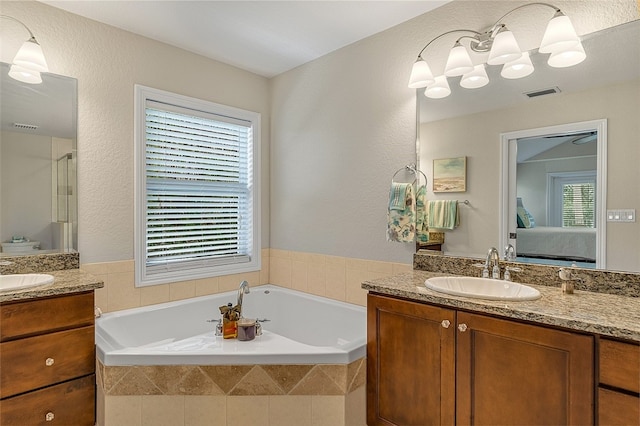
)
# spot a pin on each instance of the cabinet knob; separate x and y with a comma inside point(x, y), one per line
point(462, 327)
point(49, 362)
point(445, 323)
point(49, 416)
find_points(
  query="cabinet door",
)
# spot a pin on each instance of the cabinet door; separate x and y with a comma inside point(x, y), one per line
point(513, 373)
point(410, 363)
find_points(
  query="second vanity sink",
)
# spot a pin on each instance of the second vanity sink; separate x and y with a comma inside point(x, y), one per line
point(482, 288)
point(22, 281)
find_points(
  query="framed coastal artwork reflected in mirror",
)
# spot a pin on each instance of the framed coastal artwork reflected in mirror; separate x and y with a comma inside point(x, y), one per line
point(450, 174)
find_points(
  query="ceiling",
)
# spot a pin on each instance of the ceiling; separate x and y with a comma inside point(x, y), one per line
point(264, 37)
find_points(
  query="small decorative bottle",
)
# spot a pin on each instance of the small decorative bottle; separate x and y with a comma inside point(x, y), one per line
point(229, 321)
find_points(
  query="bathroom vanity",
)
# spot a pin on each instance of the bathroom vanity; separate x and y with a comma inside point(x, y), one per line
point(47, 352)
point(439, 359)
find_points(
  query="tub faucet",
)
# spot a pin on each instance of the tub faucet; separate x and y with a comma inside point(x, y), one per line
point(493, 257)
point(244, 289)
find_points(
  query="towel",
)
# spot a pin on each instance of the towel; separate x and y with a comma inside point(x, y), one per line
point(443, 214)
point(401, 215)
point(422, 228)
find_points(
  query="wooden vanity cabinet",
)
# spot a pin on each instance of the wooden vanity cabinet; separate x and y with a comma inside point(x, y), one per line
point(47, 361)
point(619, 383)
point(429, 365)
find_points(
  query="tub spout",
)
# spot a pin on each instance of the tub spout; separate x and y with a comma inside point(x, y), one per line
point(244, 289)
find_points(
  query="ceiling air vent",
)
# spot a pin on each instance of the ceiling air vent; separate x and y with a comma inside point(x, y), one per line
point(542, 92)
point(25, 126)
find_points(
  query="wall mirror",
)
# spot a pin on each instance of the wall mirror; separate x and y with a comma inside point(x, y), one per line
point(548, 133)
point(38, 184)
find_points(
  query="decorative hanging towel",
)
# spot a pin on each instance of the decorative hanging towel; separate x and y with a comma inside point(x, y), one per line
point(422, 215)
point(401, 217)
point(443, 215)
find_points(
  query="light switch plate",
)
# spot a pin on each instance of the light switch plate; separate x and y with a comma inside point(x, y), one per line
point(621, 215)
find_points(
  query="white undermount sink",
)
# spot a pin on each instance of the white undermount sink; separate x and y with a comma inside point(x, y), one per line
point(22, 281)
point(482, 288)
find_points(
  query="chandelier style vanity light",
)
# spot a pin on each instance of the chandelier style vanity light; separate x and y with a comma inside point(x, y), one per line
point(29, 62)
point(559, 40)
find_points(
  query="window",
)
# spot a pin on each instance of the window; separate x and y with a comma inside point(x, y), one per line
point(197, 188)
point(573, 199)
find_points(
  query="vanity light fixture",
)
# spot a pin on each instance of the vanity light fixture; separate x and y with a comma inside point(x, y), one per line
point(559, 40)
point(29, 62)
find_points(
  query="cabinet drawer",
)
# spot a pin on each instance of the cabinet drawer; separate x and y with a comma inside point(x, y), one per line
point(616, 408)
point(33, 317)
point(40, 361)
point(69, 403)
point(620, 365)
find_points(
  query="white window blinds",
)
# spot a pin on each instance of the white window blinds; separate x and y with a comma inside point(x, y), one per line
point(196, 197)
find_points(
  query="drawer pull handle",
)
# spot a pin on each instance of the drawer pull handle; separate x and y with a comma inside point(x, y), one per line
point(49, 416)
point(462, 327)
point(445, 323)
point(49, 362)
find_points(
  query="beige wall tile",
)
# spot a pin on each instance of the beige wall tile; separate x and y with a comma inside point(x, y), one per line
point(299, 256)
point(264, 272)
point(290, 410)
point(182, 290)
point(101, 295)
point(355, 408)
point(95, 268)
point(401, 268)
point(335, 281)
point(285, 254)
point(381, 267)
point(161, 410)
point(248, 410)
point(100, 406)
point(232, 282)
point(355, 293)
point(327, 410)
point(299, 275)
point(153, 294)
point(316, 279)
point(205, 411)
point(121, 266)
point(257, 382)
point(122, 294)
point(207, 286)
point(123, 410)
point(280, 271)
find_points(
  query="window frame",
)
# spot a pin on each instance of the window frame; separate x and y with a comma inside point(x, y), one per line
point(143, 277)
point(555, 184)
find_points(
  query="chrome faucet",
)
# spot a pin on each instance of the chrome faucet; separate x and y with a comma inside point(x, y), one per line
point(244, 289)
point(493, 257)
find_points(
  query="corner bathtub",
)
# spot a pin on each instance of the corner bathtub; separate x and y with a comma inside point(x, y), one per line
point(299, 329)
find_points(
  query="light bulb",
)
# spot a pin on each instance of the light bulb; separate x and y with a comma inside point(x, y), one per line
point(438, 89)
point(458, 62)
point(25, 75)
point(421, 75)
point(568, 57)
point(476, 78)
point(30, 56)
point(505, 48)
point(519, 68)
point(559, 35)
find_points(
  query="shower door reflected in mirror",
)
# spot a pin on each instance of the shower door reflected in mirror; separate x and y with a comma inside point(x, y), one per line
point(38, 184)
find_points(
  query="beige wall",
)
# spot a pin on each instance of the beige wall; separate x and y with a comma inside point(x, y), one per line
point(107, 63)
point(619, 104)
point(343, 124)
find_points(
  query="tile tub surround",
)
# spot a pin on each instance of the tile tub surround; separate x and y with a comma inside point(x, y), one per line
point(65, 282)
point(600, 313)
point(340, 386)
point(600, 281)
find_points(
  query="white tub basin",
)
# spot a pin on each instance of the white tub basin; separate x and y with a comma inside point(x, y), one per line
point(21, 281)
point(482, 288)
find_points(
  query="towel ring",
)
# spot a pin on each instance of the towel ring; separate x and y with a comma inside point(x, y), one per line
point(411, 168)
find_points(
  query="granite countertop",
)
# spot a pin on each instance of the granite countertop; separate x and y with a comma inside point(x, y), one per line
point(66, 282)
point(599, 313)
